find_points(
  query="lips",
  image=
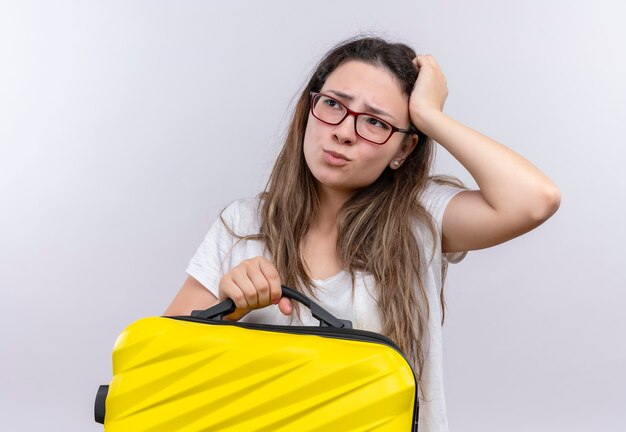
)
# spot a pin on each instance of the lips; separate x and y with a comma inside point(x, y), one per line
point(337, 155)
point(335, 159)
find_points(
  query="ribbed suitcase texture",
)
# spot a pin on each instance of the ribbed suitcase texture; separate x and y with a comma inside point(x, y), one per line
point(187, 374)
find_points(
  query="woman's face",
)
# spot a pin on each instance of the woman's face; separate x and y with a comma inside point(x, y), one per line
point(340, 159)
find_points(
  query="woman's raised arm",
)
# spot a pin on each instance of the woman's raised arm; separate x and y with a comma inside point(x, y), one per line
point(514, 196)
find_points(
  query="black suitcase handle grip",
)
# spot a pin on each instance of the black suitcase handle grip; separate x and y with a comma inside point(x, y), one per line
point(99, 409)
point(228, 306)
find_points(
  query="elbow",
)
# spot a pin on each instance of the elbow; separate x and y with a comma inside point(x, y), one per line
point(548, 204)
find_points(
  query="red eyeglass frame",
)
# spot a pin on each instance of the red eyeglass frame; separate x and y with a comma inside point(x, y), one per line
point(356, 114)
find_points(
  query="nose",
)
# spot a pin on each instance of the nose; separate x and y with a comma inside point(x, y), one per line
point(345, 132)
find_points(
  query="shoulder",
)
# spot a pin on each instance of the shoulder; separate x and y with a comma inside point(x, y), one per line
point(437, 194)
point(242, 215)
point(435, 199)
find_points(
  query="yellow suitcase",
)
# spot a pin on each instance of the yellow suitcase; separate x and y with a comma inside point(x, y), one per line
point(201, 373)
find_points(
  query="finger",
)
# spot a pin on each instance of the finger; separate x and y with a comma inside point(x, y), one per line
point(241, 278)
point(427, 60)
point(271, 274)
point(230, 290)
point(285, 306)
point(260, 282)
point(423, 59)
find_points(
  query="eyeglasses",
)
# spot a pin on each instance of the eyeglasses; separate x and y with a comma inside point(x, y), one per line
point(371, 128)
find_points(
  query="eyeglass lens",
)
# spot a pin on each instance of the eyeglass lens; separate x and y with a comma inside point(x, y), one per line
point(332, 111)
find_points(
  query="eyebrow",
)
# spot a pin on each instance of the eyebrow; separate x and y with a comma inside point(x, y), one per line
point(368, 107)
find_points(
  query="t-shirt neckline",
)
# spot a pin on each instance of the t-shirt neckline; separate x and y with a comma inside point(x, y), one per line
point(330, 278)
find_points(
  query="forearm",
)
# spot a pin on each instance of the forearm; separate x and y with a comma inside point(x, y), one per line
point(508, 182)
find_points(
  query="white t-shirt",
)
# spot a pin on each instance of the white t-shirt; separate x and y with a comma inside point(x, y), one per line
point(220, 251)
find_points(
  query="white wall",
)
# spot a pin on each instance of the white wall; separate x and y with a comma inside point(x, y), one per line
point(126, 126)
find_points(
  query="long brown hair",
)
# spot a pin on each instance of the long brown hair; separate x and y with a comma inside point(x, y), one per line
point(376, 226)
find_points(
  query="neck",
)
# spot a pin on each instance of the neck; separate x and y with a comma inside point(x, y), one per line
point(331, 201)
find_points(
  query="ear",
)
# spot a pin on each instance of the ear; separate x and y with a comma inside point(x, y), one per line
point(407, 147)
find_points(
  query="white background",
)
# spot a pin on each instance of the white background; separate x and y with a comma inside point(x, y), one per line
point(125, 126)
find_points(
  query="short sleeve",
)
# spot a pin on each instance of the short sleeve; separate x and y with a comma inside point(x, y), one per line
point(435, 199)
point(211, 262)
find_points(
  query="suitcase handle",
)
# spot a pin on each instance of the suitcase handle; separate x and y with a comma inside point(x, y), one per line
point(325, 318)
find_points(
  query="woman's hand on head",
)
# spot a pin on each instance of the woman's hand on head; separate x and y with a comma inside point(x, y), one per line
point(253, 284)
point(430, 91)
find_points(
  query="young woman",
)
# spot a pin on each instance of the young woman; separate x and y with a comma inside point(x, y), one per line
point(352, 216)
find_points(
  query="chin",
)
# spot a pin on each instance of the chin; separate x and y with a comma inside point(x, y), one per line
point(332, 182)
point(335, 178)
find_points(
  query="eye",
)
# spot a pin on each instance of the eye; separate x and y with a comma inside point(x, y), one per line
point(331, 102)
point(376, 123)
